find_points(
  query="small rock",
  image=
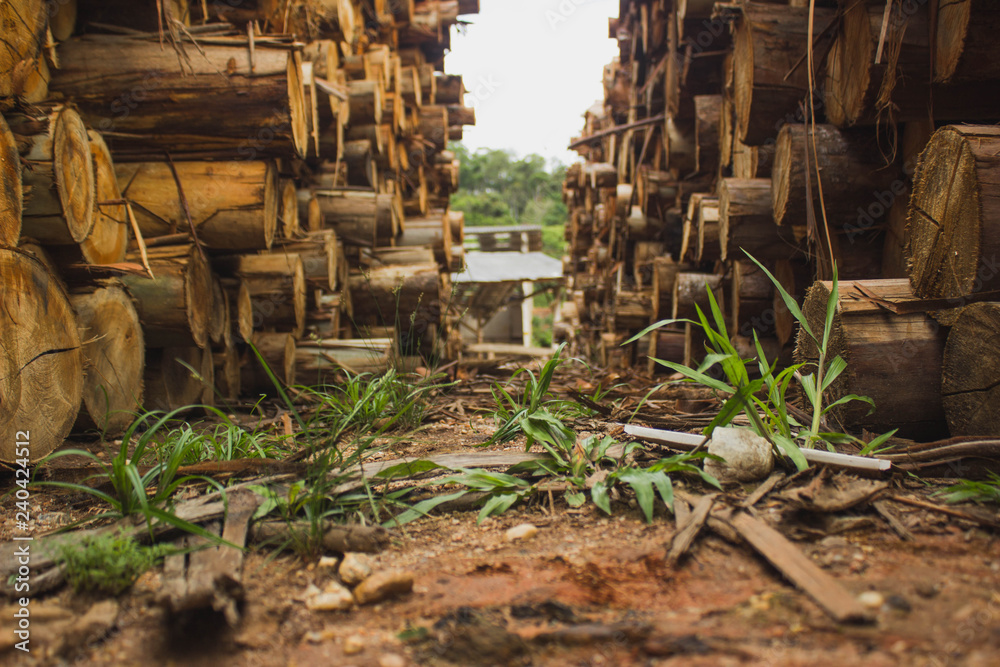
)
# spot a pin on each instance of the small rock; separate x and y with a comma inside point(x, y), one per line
point(328, 562)
point(927, 590)
point(383, 585)
point(355, 568)
point(391, 660)
point(524, 531)
point(899, 603)
point(353, 645)
point(871, 599)
point(333, 597)
point(748, 457)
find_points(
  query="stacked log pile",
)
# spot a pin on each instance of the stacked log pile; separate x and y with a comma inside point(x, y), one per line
point(180, 179)
point(803, 136)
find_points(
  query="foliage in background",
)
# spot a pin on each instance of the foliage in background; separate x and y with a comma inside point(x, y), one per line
point(107, 564)
point(497, 188)
point(764, 399)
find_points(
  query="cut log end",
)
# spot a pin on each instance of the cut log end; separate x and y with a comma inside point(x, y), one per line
point(108, 240)
point(10, 187)
point(114, 356)
point(74, 173)
point(41, 361)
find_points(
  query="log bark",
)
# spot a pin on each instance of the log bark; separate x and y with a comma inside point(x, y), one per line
point(11, 194)
point(691, 289)
point(969, 390)
point(854, 169)
point(320, 258)
point(665, 272)
point(746, 222)
point(212, 99)
point(751, 297)
point(169, 381)
point(954, 220)
point(408, 297)
point(893, 359)
point(708, 114)
point(277, 286)
point(175, 304)
point(24, 26)
point(233, 205)
point(41, 360)
point(860, 92)
point(316, 363)
point(114, 357)
point(361, 218)
point(278, 352)
point(965, 41)
point(769, 42)
point(58, 176)
point(631, 311)
point(708, 248)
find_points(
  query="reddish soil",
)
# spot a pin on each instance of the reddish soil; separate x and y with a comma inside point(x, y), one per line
point(592, 590)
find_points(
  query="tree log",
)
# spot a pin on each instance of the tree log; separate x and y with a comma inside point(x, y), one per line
point(770, 80)
point(853, 168)
point(708, 113)
point(954, 219)
point(965, 42)
point(59, 182)
point(408, 297)
point(107, 242)
point(278, 352)
point(631, 311)
point(361, 218)
point(691, 290)
point(24, 23)
point(751, 296)
point(147, 99)
point(858, 91)
point(233, 205)
point(277, 286)
point(893, 359)
point(969, 389)
point(665, 272)
point(11, 195)
point(114, 357)
point(746, 222)
point(288, 210)
point(175, 304)
point(41, 360)
point(320, 259)
point(170, 383)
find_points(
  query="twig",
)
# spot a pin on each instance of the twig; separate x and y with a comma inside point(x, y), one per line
point(184, 206)
point(138, 238)
point(923, 504)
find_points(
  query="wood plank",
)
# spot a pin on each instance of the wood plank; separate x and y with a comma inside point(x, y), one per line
point(826, 591)
point(685, 537)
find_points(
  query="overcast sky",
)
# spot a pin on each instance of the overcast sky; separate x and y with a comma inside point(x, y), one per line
point(532, 67)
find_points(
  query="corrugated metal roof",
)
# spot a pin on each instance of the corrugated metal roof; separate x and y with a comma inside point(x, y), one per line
point(498, 267)
point(501, 229)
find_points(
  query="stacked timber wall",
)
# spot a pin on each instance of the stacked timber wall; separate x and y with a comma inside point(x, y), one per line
point(802, 135)
point(178, 179)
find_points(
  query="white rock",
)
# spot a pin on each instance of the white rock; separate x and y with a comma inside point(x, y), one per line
point(333, 597)
point(328, 562)
point(748, 457)
point(353, 645)
point(355, 568)
point(391, 660)
point(871, 599)
point(524, 531)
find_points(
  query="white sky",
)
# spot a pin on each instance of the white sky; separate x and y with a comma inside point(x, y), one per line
point(533, 67)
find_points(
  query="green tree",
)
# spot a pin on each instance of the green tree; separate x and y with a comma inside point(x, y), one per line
point(498, 188)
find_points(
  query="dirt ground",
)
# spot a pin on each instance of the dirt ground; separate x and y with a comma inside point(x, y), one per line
point(589, 589)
